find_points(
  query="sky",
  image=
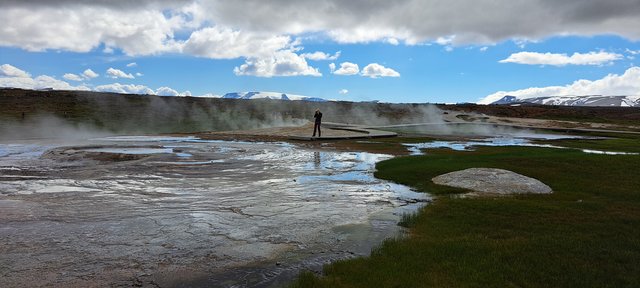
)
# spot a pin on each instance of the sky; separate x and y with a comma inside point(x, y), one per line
point(403, 51)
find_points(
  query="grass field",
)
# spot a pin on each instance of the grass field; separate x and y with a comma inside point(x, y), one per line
point(583, 235)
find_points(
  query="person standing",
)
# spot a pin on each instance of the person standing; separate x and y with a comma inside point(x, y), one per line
point(318, 119)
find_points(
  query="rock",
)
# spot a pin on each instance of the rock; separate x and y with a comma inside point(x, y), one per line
point(492, 181)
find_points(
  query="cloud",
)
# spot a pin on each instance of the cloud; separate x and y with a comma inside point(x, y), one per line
point(125, 89)
point(166, 91)
point(132, 64)
point(535, 58)
point(446, 40)
point(138, 74)
point(332, 67)
point(612, 84)
point(484, 48)
point(156, 26)
point(375, 70)
point(208, 95)
point(317, 56)
point(89, 74)
point(16, 78)
point(393, 41)
point(80, 27)
point(225, 43)
point(346, 68)
point(11, 71)
point(632, 52)
point(418, 20)
point(139, 89)
point(72, 77)
point(281, 63)
point(343, 91)
point(116, 73)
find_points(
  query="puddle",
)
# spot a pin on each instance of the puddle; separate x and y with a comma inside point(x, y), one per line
point(213, 212)
point(608, 152)
point(475, 129)
point(132, 150)
point(417, 148)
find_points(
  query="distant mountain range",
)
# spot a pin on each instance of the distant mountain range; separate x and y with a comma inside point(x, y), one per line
point(271, 95)
point(591, 100)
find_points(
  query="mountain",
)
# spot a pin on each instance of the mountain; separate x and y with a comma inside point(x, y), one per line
point(590, 100)
point(271, 95)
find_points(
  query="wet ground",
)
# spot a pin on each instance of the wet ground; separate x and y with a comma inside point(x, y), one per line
point(420, 148)
point(180, 211)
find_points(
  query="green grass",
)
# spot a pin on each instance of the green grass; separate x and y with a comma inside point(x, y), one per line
point(583, 235)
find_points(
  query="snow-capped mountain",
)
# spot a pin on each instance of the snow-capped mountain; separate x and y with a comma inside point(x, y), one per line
point(591, 100)
point(271, 95)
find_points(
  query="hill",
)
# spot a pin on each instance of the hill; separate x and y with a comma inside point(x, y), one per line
point(130, 113)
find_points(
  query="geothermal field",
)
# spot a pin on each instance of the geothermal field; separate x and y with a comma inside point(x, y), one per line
point(218, 197)
point(163, 209)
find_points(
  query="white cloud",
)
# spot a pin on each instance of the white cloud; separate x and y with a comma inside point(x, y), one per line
point(375, 70)
point(347, 68)
point(72, 77)
point(484, 48)
point(116, 73)
point(317, 56)
point(138, 74)
point(612, 84)
point(225, 43)
point(89, 74)
point(81, 27)
point(208, 95)
point(16, 78)
point(132, 64)
point(535, 58)
point(447, 40)
point(40, 82)
point(343, 91)
point(280, 63)
point(125, 89)
point(139, 89)
point(166, 91)
point(332, 67)
point(153, 27)
point(11, 71)
point(632, 52)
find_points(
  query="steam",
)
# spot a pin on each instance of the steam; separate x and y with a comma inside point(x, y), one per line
point(48, 127)
point(82, 115)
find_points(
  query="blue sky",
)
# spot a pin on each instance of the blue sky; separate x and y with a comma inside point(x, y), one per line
point(196, 48)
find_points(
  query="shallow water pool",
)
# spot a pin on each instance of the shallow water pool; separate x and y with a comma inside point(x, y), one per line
point(211, 213)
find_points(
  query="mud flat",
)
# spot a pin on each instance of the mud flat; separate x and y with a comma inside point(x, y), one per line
point(167, 211)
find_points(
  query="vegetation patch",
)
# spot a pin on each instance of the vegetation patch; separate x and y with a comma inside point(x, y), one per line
point(583, 235)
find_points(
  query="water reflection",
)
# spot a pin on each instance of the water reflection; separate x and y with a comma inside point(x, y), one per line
point(316, 159)
point(189, 204)
point(418, 148)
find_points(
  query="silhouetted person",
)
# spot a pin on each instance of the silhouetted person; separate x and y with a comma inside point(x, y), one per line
point(318, 120)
